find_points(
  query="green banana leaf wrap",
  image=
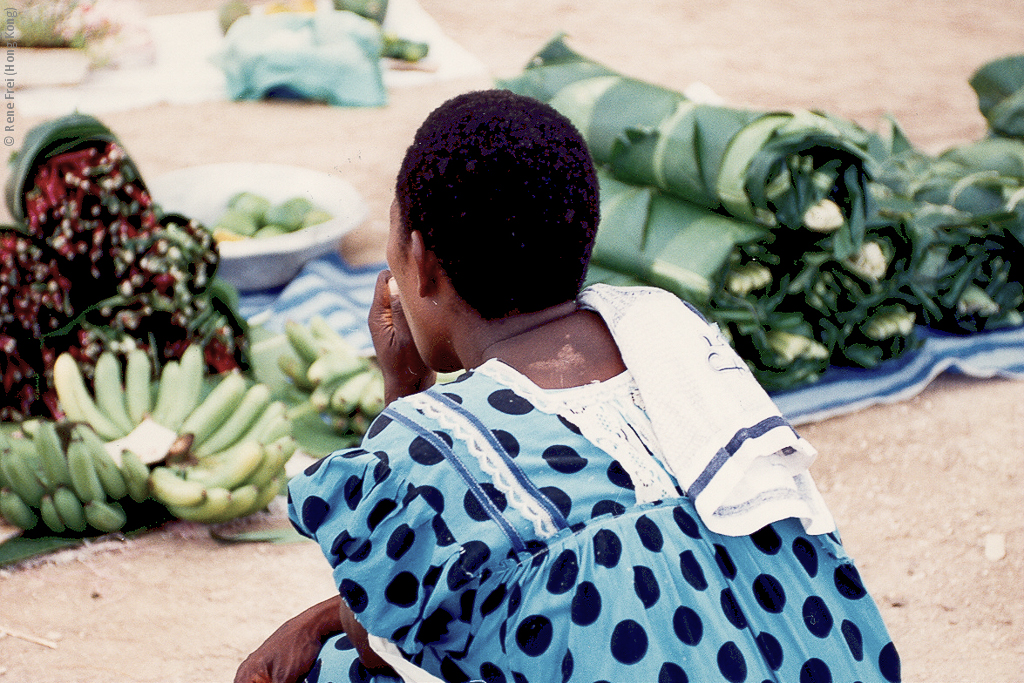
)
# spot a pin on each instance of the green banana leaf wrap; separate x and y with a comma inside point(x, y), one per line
point(723, 207)
point(964, 213)
point(91, 264)
point(999, 85)
point(769, 167)
point(789, 315)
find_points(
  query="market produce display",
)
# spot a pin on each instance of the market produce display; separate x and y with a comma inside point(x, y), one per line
point(811, 241)
point(92, 264)
point(203, 454)
point(335, 383)
point(250, 214)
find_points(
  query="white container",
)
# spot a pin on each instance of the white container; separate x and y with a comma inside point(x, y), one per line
point(202, 193)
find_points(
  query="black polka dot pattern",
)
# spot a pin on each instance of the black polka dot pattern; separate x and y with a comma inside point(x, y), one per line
point(408, 521)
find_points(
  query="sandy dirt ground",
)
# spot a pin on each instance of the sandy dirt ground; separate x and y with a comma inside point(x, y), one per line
point(920, 489)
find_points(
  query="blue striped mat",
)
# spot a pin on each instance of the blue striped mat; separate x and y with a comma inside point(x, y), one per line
point(341, 294)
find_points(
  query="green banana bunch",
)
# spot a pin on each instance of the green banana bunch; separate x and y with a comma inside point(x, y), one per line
point(61, 474)
point(224, 441)
point(345, 387)
point(232, 484)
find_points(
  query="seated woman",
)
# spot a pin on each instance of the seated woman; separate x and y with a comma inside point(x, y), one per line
point(605, 495)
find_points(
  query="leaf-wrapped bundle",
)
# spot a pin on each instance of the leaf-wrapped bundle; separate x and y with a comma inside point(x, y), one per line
point(1000, 89)
point(790, 314)
point(964, 213)
point(784, 168)
point(760, 219)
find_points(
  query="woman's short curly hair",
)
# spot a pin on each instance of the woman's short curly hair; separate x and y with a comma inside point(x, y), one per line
point(503, 189)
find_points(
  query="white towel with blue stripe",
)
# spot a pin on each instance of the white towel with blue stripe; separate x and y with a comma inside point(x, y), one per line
point(720, 434)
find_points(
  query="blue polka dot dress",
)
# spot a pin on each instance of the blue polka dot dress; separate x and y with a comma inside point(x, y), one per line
point(486, 529)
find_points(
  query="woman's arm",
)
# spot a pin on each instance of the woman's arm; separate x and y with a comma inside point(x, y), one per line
point(289, 653)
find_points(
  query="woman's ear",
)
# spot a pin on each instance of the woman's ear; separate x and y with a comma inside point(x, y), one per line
point(428, 270)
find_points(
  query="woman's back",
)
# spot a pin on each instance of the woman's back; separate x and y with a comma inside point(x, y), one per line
point(486, 527)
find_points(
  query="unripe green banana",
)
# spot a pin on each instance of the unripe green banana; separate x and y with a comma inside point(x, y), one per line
point(106, 469)
point(215, 408)
point(327, 336)
point(166, 393)
point(272, 425)
point(110, 393)
point(29, 427)
point(48, 513)
point(213, 506)
point(346, 399)
point(138, 385)
point(70, 509)
point(335, 365)
point(171, 490)
point(371, 400)
point(230, 468)
point(295, 370)
point(16, 511)
point(320, 396)
point(76, 401)
point(275, 455)
point(105, 516)
point(240, 504)
point(269, 492)
point(253, 404)
point(51, 454)
point(191, 370)
point(21, 477)
point(302, 341)
point(85, 480)
point(136, 476)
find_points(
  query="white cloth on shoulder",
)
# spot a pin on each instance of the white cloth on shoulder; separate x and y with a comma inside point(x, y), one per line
point(720, 434)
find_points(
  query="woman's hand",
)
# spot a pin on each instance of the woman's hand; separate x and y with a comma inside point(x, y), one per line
point(290, 652)
point(405, 373)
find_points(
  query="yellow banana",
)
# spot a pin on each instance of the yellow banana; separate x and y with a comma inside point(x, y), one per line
point(110, 393)
point(22, 477)
point(76, 401)
point(16, 511)
point(136, 476)
point(51, 454)
point(171, 490)
point(191, 370)
point(70, 509)
point(106, 469)
point(166, 392)
point(105, 516)
point(138, 385)
point(214, 504)
point(84, 478)
point(230, 468)
point(215, 408)
point(48, 513)
point(253, 404)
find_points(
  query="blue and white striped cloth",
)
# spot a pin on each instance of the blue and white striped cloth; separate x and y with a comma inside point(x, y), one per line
point(341, 294)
